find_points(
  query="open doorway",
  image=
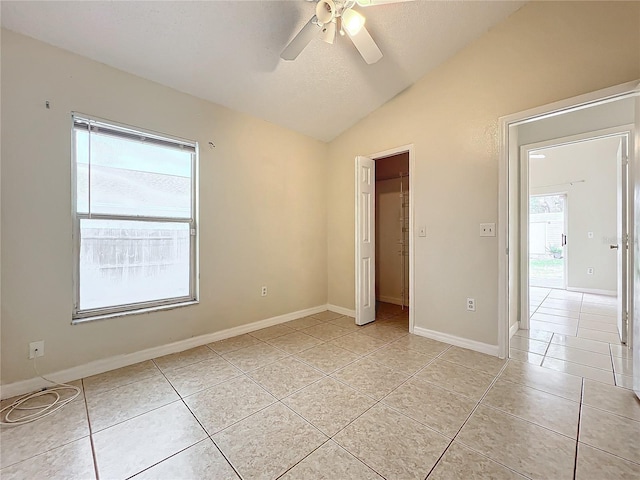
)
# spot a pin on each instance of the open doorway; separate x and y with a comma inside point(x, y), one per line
point(392, 236)
point(576, 282)
point(384, 229)
point(568, 164)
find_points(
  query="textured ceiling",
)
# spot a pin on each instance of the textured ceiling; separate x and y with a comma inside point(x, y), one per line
point(229, 52)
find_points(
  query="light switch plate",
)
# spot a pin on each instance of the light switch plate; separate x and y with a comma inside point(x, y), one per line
point(589, 234)
point(487, 229)
point(422, 232)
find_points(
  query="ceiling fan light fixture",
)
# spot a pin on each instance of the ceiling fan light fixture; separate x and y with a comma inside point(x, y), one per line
point(352, 21)
point(325, 11)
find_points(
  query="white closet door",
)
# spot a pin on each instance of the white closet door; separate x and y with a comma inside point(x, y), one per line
point(365, 241)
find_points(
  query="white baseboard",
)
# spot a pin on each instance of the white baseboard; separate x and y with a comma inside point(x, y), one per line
point(513, 329)
point(457, 341)
point(341, 310)
point(595, 291)
point(118, 361)
point(392, 300)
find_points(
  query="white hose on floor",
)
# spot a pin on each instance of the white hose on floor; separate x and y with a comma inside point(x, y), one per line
point(41, 410)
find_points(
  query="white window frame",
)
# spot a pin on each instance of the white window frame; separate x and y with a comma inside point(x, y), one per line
point(127, 131)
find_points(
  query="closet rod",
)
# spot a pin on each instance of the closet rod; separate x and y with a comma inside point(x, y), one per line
point(400, 175)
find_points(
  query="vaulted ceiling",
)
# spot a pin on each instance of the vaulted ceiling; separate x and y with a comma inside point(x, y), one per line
point(228, 52)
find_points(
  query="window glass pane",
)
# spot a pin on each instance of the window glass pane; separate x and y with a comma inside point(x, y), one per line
point(124, 262)
point(129, 177)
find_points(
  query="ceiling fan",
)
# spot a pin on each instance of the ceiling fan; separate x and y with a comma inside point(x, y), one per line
point(334, 16)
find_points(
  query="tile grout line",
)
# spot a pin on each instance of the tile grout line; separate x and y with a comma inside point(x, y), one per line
point(575, 459)
point(613, 367)
point(492, 407)
point(376, 402)
point(404, 415)
point(325, 375)
point(201, 426)
point(540, 390)
point(560, 396)
point(329, 437)
point(495, 379)
point(546, 350)
point(167, 458)
point(609, 453)
point(277, 401)
point(93, 448)
point(328, 375)
point(303, 458)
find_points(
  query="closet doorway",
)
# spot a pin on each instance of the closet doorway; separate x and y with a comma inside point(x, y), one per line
point(392, 232)
point(384, 233)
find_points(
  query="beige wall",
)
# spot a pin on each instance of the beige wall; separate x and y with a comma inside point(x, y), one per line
point(277, 207)
point(262, 210)
point(591, 206)
point(545, 52)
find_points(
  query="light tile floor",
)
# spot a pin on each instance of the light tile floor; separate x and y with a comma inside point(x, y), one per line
point(319, 398)
point(574, 333)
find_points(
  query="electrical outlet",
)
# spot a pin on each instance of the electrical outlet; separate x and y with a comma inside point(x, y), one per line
point(487, 229)
point(590, 271)
point(471, 304)
point(263, 292)
point(36, 349)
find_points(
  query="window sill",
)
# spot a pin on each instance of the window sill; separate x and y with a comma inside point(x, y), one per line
point(77, 321)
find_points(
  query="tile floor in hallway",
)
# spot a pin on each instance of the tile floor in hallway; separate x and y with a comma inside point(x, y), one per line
point(574, 333)
point(320, 398)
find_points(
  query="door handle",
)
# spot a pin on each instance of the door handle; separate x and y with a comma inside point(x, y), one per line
point(564, 240)
point(613, 247)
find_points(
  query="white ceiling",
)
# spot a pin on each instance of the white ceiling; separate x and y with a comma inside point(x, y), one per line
point(229, 52)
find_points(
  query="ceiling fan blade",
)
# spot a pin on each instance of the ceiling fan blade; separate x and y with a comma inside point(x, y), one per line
point(301, 40)
point(373, 3)
point(366, 46)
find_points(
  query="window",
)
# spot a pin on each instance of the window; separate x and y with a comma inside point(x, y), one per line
point(134, 219)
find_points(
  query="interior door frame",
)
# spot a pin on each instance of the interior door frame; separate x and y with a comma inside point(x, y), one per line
point(508, 187)
point(387, 153)
point(525, 150)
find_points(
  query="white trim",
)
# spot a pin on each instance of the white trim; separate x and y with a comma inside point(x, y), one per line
point(595, 291)
point(574, 103)
point(513, 329)
point(523, 162)
point(502, 231)
point(392, 300)
point(341, 310)
point(457, 341)
point(412, 169)
point(412, 239)
point(118, 361)
point(506, 122)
